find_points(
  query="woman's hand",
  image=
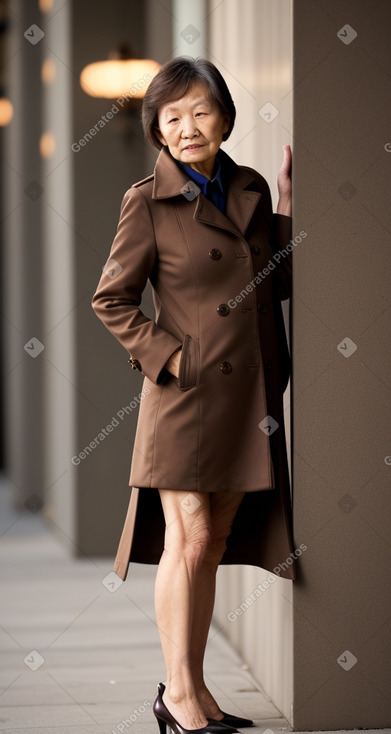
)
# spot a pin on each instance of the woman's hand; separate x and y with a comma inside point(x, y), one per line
point(172, 364)
point(284, 183)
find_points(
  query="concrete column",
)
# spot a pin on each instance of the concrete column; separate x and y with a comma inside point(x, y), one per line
point(189, 29)
point(341, 370)
point(90, 384)
point(23, 187)
point(60, 283)
point(88, 380)
point(103, 170)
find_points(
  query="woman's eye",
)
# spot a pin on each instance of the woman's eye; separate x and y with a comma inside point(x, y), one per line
point(173, 119)
point(200, 113)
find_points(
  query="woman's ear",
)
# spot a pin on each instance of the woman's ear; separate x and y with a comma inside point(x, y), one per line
point(160, 136)
point(227, 122)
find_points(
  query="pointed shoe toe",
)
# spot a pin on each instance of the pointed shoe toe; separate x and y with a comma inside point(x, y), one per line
point(235, 721)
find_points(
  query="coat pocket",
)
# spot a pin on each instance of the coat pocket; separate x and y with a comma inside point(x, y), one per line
point(189, 364)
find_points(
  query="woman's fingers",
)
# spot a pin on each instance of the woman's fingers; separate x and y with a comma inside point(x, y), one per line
point(287, 161)
point(284, 182)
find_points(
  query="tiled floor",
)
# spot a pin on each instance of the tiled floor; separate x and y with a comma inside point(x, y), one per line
point(78, 658)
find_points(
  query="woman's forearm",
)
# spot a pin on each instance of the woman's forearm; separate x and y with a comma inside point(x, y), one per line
point(284, 206)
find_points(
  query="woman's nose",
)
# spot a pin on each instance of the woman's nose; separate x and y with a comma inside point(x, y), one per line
point(189, 128)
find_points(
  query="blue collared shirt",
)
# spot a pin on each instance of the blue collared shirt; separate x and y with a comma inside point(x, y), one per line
point(213, 189)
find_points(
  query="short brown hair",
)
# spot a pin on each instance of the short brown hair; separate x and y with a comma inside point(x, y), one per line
point(173, 81)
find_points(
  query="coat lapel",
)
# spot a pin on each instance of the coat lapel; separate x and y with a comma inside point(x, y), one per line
point(171, 181)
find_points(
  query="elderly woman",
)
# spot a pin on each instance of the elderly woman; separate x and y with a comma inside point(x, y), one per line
point(209, 472)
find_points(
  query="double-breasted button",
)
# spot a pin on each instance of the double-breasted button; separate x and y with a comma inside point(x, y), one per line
point(223, 309)
point(255, 249)
point(269, 364)
point(215, 254)
point(262, 308)
point(226, 368)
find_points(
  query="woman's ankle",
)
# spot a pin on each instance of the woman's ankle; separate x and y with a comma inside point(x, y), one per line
point(180, 693)
point(202, 690)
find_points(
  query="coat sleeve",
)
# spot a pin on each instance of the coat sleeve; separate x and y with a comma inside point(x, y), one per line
point(117, 298)
point(280, 227)
point(281, 236)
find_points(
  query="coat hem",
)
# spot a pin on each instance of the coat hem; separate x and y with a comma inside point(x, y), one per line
point(205, 491)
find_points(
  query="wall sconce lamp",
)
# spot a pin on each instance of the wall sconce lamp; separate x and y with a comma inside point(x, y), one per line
point(120, 76)
point(6, 111)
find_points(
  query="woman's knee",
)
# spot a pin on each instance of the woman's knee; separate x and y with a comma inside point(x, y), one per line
point(188, 529)
point(215, 550)
point(190, 543)
point(223, 512)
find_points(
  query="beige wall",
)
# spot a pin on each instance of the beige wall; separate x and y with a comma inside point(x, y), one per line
point(341, 403)
point(256, 63)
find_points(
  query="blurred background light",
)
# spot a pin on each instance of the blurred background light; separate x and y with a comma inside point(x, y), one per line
point(45, 6)
point(47, 145)
point(48, 71)
point(6, 111)
point(118, 77)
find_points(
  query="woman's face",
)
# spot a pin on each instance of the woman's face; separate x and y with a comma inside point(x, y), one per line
point(193, 127)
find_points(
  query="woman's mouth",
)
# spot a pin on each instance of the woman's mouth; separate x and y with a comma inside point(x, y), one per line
point(193, 147)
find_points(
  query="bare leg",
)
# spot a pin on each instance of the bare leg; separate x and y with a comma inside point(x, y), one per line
point(186, 541)
point(223, 510)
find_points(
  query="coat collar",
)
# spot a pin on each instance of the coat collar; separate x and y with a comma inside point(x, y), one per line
point(170, 180)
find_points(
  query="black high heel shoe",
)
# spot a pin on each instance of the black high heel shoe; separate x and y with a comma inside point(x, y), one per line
point(169, 725)
point(231, 720)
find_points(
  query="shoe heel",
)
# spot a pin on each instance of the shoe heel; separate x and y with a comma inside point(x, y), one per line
point(163, 727)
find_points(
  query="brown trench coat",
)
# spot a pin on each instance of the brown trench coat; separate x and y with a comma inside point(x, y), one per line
point(200, 432)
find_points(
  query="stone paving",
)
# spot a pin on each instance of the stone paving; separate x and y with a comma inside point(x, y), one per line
point(80, 658)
